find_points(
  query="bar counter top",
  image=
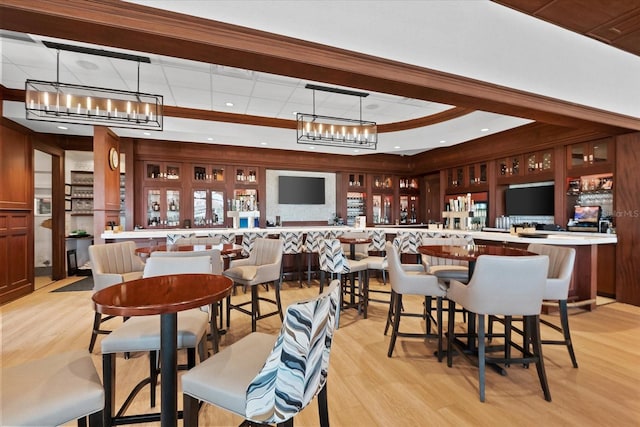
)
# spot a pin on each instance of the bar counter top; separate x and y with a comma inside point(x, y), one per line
point(496, 235)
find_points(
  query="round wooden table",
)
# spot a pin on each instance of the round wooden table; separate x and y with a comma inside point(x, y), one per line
point(352, 242)
point(225, 248)
point(166, 296)
point(470, 253)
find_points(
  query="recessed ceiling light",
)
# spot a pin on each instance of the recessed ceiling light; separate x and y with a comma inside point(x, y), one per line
point(356, 151)
point(312, 148)
point(146, 133)
point(63, 127)
point(396, 147)
point(442, 141)
point(484, 129)
point(87, 65)
point(295, 113)
point(229, 104)
point(263, 143)
point(372, 107)
point(209, 139)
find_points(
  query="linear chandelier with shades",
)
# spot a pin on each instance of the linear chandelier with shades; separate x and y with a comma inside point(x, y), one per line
point(314, 129)
point(87, 105)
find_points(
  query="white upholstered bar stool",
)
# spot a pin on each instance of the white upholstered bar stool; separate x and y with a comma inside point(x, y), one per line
point(445, 269)
point(142, 334)
point(262, 266)
point(412, 282)
point(52, 391)
point(111, 264)
point(561, 262)
point(502, 286)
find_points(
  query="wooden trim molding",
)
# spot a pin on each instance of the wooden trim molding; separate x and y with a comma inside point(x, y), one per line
point(141, 28)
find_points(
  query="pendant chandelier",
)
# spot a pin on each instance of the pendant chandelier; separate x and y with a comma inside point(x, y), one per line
point(314, 129)
point(87, 105)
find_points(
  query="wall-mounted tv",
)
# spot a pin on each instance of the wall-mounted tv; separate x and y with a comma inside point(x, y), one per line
point(530, 201)
point(300, 190)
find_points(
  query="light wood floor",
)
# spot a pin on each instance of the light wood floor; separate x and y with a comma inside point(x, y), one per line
point(368, 389)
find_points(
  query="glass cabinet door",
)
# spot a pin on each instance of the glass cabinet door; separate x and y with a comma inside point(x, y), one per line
point(153, 208)
point(173, 208)
point(217, 207)
point(199, 207)
point(600, 153)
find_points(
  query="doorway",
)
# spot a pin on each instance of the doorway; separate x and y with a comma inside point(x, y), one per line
point(42, 218)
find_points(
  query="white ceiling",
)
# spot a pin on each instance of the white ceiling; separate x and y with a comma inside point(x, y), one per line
point(210, 87)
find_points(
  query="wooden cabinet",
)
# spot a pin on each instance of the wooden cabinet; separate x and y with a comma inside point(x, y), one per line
point(408, 203)
point(382, 205)
point(539, 162)
point(510, 167)
point(356, 181)
point(468, 177)
point(246, 175)
point(202, 173)
point(382, 182)
point(590, 155)
point(162, 171)
point(162, 207)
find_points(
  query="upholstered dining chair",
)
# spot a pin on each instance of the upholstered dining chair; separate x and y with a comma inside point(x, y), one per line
point(503, 286)
point(51, 391)
point(249, 239)
point(408, 243)
point(414, 281)
point(262, 266)
point(111, 264)
point(142, 333)
point(378, 245)
point(225, 238)
point(361, 250)
point(266, 379)
point(561, 262)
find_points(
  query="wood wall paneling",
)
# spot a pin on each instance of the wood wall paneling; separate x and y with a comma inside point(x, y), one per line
point(106, 182)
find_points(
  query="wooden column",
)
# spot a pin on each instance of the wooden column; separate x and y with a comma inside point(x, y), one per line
point(627, 218)
point(106, 182)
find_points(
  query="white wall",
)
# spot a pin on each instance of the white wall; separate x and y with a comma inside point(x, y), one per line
point(300, 212)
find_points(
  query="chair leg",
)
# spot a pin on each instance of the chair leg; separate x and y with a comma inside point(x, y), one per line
point(481, 355)
point(396, 323)
point(190, 411)
point(97, 319)
point(390, 312)
point(451, 332)
point(153, 377)
point(564, 321)
point(323, 407)
point(537, 348)
point(278, 300)
point(440, 327)
point(109, 384)
point(254, 306)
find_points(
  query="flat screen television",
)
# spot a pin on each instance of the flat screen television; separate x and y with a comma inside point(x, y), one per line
point(587, 214)
point(300, 190)
point(530, 201)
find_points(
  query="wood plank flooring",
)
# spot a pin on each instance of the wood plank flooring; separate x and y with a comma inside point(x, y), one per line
point(368, 389)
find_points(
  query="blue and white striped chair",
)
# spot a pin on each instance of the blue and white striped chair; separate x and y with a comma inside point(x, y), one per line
point(313, 242)
point(225, 238)
point(292, 246)
point(335, 262)
point(174, 239)
point(267, 379)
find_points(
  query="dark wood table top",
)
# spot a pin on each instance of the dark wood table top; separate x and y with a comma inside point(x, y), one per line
point(225, 248)
point(470, 252)
point(161, 294)
point(355, 240)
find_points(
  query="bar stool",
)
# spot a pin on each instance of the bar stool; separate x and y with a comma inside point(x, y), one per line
point(335, 262)
point(292, 247)
point(249, 239)
point(502, 286)
point(313, 242)
point(52, 391)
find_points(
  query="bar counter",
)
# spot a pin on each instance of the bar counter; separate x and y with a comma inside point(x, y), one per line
point(594, 271)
